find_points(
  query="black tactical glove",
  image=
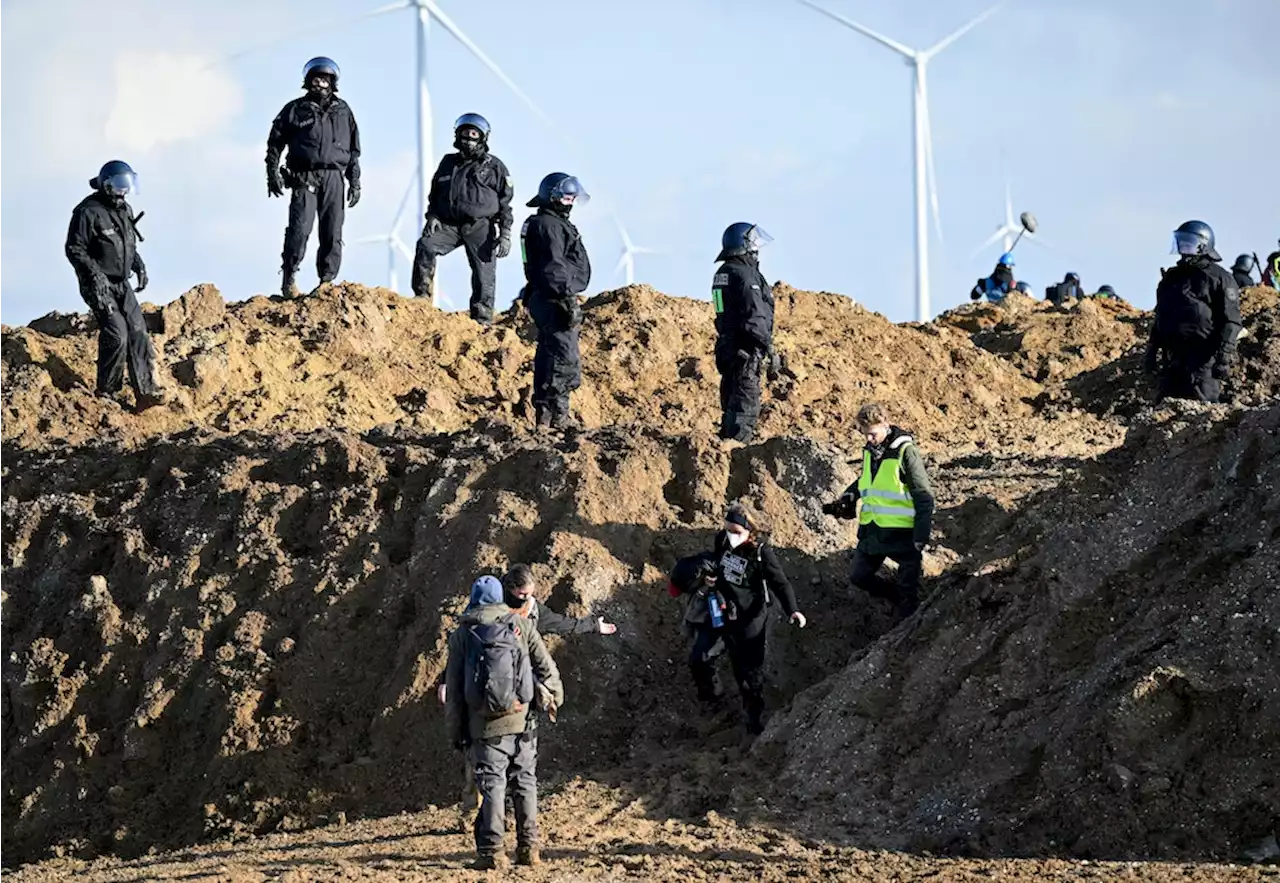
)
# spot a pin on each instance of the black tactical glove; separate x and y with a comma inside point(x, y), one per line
point(100, 294)
point(920, 546)
point(353, 194)
point(432, 226)
point(775, 366)
point(275, 180)
point(570, 310)
point(1222, 367)
point(141, 270)
point(504, 244)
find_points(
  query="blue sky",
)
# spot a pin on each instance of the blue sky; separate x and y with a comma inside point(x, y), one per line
point(1113, 122)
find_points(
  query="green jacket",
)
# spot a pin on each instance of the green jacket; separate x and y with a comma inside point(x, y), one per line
point(463, 726)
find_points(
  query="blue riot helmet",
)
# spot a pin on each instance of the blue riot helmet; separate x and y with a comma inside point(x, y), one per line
point(321, 65)
point(560, 190)
point(1073, 277)
point(1194, 238)
point(1006, 260)
point(1244, 264)
point(117, 179)
point(742, 238)
point(1106, 291)
point(475, 121)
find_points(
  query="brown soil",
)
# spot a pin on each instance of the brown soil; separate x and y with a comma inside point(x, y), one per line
point(223, 617)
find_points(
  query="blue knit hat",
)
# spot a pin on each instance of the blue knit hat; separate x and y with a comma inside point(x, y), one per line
point(485, 590)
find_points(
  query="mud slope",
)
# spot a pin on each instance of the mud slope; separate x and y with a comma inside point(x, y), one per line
point(1102, 682)
point(354, 358)
point(226, 634)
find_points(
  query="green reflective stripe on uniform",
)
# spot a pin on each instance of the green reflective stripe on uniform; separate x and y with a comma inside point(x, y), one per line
point(885, 499)
point(717, 298)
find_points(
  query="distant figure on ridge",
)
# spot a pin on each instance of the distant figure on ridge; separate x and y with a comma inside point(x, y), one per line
point(1069, 287)
point(556, 270)
point(743, 302)
point(469, 205)
point(1197, 321)
point(1242, 271)
point(319, 131)
point(996, 287)
point(102, 246)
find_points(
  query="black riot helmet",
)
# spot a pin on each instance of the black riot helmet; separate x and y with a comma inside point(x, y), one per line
point(560, 191)
point(1244, 264)
point(470, 134)
point(1195, 238)
point(324, 66)
point(742, 238)
point(116, 179)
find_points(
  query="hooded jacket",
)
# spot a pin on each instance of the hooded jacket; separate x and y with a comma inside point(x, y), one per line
point(463, 724)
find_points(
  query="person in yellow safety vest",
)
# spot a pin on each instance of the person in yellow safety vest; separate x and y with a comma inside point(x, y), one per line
point(897, 510)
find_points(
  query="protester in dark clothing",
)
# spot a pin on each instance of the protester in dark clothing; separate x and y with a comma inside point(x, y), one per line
point(743, 304)
point(896, 516)
point(1106, 291)
point(556, 271)
point(323, 142)
point(1197, 321)
point(493, 656)
point(519, 586)
point(102, 246)
point(1271, 270)
point(1069, 287)
point(469, 205)
point(728, 609)
point(1242, 271)
point(996, 287)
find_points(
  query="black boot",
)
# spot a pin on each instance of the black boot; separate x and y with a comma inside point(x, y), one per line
point(753, 706)
point(704, 679)
point(288, 287)
point(542, 416)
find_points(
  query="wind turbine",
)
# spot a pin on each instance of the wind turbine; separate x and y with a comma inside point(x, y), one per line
point(1007, 234)
point(629, 251)
point(395, 245)
point(926, 189)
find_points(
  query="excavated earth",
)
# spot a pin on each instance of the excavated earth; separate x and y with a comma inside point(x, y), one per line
point(224, 616)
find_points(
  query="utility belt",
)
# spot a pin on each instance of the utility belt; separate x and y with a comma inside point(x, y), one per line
point(295, 178)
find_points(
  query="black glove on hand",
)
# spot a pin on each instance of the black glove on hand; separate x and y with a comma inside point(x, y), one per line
point(433, 225)
point(775, 365)
point(353, 194)
point(570, 310)
point(142, 277)
point(275, 180)
point(832, 508)
point(504, 244)
point(100, 294)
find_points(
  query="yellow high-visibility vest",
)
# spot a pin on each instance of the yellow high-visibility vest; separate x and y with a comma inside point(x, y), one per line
point(886, 501)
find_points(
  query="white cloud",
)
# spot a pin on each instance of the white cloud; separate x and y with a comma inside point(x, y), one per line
point(163, 98)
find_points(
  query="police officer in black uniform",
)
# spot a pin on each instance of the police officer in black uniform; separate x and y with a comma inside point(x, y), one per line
point(323, 141)
point(743, 303)
point(102, 246)
point(469, 205)
point(1197, 319)
point(1242, 271)
point(556, 270)
point(1069, 287)
point(728, 609)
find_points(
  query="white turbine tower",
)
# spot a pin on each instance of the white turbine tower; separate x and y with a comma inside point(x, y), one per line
point(926, 188)
point(627, 261)
point(395, 245)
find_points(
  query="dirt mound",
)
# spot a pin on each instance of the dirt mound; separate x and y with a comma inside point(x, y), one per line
point(1102, 678)
point(355, 358)
point(1052, 343)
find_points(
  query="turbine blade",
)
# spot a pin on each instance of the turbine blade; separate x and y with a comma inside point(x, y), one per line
point(930, 174)
point(364, 240)
point(314, 29)
point(448, 24)
point(862, 29)
point(1008, 203)
point(622, 262)
point(1048, 246)
point(402, 248)
point(622, 232)
point(404, 203)
point(990, 241)
point(956, 35)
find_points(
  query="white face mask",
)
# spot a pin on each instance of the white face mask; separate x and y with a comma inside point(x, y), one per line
point(736, 539)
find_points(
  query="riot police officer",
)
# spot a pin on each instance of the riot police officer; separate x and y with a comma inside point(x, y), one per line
point(323, 142)
point(469, 205)
point(743, 304)
point(556, 271)
point(1197, 319)
point(102, 246)
point(1242, 271)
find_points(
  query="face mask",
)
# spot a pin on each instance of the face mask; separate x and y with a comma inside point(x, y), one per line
point(736, 539)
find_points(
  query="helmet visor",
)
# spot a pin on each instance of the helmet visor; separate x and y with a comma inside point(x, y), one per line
point(570, 192)
point(1188, 244)
point(474, 120)
point(325, 66)
point(120, 184)
point(757, 238)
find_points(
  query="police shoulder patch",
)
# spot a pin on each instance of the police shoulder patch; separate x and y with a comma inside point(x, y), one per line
point(721, 279)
